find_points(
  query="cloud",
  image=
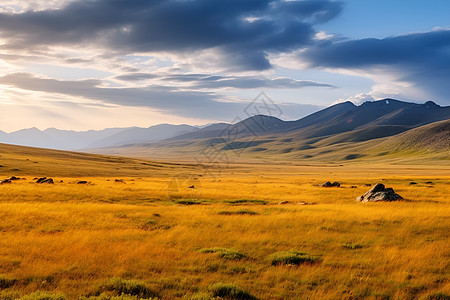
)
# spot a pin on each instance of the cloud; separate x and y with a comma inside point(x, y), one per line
point(213, 82)
point(135, 76)
point(242, 33)
point(192, 104)
point(255, 83)
point(416, 65)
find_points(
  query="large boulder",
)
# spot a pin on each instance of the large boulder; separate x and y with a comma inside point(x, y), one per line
point(379, 193)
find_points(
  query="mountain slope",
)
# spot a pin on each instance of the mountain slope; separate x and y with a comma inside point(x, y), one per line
point(431, 137)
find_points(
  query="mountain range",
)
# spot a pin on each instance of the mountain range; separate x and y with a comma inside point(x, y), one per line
point(340, 128)
point(340, 132)
point(53, 138)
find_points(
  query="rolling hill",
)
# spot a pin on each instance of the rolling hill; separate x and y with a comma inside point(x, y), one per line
point(30, 161)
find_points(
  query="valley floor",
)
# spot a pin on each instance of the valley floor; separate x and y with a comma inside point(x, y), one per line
point(190, 235)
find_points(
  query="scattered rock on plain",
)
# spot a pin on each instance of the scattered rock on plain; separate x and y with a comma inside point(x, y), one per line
point(379, 193)
point(45, 180)
point(329, 184)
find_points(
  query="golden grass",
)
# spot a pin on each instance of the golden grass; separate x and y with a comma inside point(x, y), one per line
point(70, 238)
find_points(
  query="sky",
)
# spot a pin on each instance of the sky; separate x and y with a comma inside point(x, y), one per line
point(94, 64)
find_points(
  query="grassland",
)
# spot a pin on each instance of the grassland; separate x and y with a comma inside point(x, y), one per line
point(152, 236)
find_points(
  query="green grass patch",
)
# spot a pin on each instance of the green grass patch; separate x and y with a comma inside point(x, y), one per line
point(153, 224)
point(247, 201)
point(225, 253)
point(229, 291)
point(105, 296)
point(118, 287)
point(351, 246)
point(292, 257)
point(9, 295)
point(238, 212)
point(189, 202)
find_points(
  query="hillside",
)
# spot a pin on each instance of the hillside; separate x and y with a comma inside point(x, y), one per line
point(24, 161)
point(432, 137)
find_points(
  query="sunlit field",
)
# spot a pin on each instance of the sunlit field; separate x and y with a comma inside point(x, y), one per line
point(251, 231)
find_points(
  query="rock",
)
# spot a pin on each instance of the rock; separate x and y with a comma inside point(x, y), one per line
point(379, 193)
point(329, 184)
point(353, 187)
point(45, 180)
point(39, 180)
point(82, 182)
point(119, 181)
point(429, 182)
point(5, 181)
point(412, 183)
point(14, 178)
point(191, 187)
point(48, 180)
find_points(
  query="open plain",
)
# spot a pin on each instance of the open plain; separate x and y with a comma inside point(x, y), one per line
point(266, 231)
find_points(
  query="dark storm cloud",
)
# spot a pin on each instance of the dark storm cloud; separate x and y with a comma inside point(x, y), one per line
point(242, 31)
point(170, 100)
point(420, 58)
point(205, 81)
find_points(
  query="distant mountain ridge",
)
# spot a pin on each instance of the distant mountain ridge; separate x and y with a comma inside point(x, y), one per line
point(53, 138)
point(340, 123)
